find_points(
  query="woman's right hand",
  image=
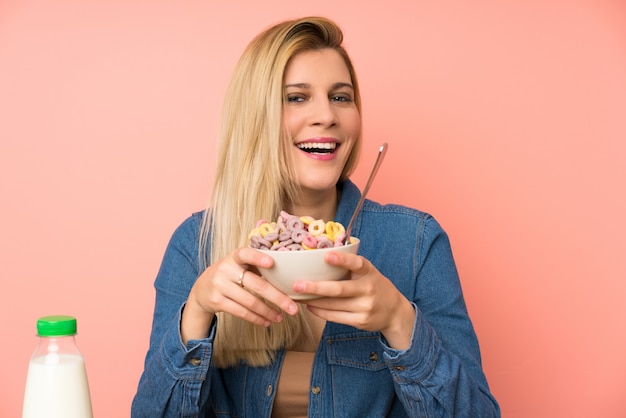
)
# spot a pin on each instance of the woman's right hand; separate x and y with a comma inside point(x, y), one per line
point(217, 290)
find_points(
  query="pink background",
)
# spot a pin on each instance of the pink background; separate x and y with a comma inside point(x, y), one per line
point(505, 119)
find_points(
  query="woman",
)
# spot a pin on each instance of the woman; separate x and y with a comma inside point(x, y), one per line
point(395, 340)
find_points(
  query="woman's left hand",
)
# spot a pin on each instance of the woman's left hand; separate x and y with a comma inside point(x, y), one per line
point(368, 301)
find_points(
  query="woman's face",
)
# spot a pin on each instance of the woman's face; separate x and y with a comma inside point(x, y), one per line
point(320, 116)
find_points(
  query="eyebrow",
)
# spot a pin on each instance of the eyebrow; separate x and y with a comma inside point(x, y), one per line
point(335, 86)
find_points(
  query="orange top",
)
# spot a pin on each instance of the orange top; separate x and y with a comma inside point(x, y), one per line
point(292, 394)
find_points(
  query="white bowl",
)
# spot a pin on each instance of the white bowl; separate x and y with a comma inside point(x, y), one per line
point(291, 266)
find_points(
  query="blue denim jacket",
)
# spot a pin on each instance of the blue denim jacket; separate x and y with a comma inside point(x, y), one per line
point(355, 373)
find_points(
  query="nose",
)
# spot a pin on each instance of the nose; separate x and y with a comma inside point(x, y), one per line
point(323, 113)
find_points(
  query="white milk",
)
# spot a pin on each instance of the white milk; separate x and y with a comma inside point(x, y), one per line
point(56, 387)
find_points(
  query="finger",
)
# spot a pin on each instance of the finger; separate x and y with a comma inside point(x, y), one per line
point(355, 263)
point(357, 319)
point(228, 296)
point(326, 288)
point(236, 309)
point(243, 304)
point(247, 256)
point(261, 287)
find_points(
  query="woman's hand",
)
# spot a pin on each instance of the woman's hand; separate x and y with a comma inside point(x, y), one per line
point(368, 301)
point(217, 290)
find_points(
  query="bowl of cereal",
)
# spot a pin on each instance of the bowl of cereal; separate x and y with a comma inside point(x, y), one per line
point(298, 246)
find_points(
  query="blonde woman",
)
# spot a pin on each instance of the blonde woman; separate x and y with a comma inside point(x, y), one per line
point(395, 340)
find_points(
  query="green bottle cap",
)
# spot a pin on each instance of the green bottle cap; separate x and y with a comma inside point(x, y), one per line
point(56, 326)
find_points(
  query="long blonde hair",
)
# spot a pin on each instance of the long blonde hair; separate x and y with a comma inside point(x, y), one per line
point(254, 176)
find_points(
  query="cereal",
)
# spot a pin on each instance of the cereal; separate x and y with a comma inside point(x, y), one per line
point(293, 233)
point(339, 239)
point(333, 229)
point(298, 235)
point(324, 243)
point(294, 223)
point(307, 219)
point(317, 227)
point(266, 228)
point(309, 242)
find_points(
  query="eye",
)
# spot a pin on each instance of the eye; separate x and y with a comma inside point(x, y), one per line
point(344, 98)
point(295, 98)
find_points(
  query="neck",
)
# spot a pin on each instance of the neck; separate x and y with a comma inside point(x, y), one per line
point(319, 205)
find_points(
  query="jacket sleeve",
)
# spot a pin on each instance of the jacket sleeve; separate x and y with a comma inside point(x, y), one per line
point(174, 382)
point(440, 374)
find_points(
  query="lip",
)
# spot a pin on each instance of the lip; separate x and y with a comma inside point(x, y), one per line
point(323, 140)
point(320, 140)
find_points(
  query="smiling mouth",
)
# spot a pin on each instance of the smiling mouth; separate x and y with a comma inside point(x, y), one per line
point(318, 147)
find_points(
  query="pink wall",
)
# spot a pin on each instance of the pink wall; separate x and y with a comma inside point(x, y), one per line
point(505, 119)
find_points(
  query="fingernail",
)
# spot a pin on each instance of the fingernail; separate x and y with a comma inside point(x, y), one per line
point(279, 318)
point(292, 308)
point(267, 324)
point(298, 286)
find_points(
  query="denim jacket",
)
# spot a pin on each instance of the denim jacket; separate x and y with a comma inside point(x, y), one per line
point(355, 373)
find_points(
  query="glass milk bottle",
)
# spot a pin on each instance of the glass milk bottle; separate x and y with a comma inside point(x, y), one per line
point(56, 384)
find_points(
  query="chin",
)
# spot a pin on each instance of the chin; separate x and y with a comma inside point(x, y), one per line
point(318, 186)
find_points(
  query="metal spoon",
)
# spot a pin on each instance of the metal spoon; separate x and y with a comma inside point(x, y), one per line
point(379, 159)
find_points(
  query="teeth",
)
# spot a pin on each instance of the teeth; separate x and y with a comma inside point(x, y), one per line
point(316, 145)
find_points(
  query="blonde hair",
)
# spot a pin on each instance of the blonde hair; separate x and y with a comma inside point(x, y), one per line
point(254, 177)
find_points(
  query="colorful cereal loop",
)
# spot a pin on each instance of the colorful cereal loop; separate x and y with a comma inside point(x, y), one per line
point(317, 227)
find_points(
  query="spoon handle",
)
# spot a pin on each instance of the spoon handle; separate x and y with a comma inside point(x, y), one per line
point(379, 159)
